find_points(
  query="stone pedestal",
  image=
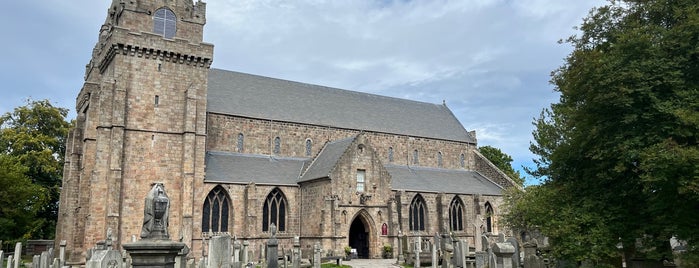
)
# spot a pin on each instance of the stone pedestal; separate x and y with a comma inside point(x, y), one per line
point(503, 253)
point(153, 253)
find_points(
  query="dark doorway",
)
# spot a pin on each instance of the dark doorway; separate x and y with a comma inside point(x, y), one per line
point(359, 238)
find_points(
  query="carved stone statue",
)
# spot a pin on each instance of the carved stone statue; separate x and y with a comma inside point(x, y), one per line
point(155, 215)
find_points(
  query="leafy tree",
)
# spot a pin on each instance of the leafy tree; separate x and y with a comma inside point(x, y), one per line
point(503, 161)
point(20, 200)
point(35, 135)
point(618, 152)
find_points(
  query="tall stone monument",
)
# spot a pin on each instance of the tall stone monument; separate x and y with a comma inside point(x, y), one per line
point(155, 248)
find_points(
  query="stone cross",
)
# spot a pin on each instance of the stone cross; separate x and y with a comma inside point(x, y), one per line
point(416, 251)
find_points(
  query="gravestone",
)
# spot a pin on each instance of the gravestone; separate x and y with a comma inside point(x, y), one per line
point(516, 255)
point(447, 251)
point(316, 255)
point(501, 238)
point(297, 253)
point(272, 250)
point(2, 254)
point(181, 258)
point(57, 263)
point(462, 245)
point(18, 254)
point(44, 260)
point(503, 253)
point(236, 253)
point(9, 261)
point(154, 249)
point(36, 261)
point(417, 250)
point(481, 259)
point(245, 257)
point(219, 252)
point(105, 258)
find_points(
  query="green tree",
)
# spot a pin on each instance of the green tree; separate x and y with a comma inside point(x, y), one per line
point(35, 135)
point(618, 153)
point(503, 161)
point(20, 200)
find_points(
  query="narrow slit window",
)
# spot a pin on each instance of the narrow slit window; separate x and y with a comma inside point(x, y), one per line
point(361, 177)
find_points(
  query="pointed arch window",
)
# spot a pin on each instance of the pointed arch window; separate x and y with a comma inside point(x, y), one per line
point(215, 211)
point(456, 214)
point(416, 157)
point(165, 23)
point(488, 217)
point(309, 147)
point(390, 154)
point(277, 145)
point(274, 211)
point(416, 215)
point(241, 142)
point(463, 160)
point(440, 161)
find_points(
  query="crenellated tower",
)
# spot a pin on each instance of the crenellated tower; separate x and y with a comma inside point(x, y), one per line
point(141, 119)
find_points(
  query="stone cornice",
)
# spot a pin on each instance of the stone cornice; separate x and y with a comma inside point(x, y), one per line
point(152, 53)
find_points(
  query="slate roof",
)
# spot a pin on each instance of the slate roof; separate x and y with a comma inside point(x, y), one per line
point(247, 95)
point(243, 168)
point(425, 179)
point(327, 159)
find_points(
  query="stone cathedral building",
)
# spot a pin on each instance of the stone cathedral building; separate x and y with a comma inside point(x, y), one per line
point(238, 152)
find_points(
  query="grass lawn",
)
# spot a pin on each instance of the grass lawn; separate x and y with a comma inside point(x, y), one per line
point(331, 265)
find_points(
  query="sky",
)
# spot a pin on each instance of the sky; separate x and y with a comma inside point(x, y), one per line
point(488, 60)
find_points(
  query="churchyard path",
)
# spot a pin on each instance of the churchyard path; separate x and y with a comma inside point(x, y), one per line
point(371, 263)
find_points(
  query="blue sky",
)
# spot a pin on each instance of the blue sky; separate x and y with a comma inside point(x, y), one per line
point(489, 60)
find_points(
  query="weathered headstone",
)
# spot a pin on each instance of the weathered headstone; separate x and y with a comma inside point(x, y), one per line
point(316, 255)
point(9, 261)
point(57, 263)
point(36, 261)
point(272, 250)
point(219, 252)
point(2, 254)
point(62, 254)
point(236, 253)
point(18, 254)
point(417, 250)
point(104, 259)
point(481, 259)
point(244, 256)
point(297, 253)
point(463, 252)
point(515, 256)
point(44, 260)
point(503, 253)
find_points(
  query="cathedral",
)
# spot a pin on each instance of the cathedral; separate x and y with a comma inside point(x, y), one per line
point(237, 152)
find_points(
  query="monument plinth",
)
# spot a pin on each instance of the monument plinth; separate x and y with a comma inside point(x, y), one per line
point(155, 248)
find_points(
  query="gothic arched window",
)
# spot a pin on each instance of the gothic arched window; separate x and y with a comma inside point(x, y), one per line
point(440, 162)
point(390, 154)
point(416, 215)
point(215, 212)
point(165, 23)
point(488, 217)
point(456, 214)
point(277, 145)
point(416, 158)
point(309, 147)
point(274, 211)
point(241, 142)
point(463, 161)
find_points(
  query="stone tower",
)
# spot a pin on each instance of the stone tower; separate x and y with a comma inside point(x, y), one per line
point(141, 119)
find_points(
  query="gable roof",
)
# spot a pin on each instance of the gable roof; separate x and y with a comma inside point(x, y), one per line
point(228, 167)
point(253, 96)
point(426, 179)
point(327, 159)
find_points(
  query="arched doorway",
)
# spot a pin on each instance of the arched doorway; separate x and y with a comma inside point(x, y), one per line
point(360, 235)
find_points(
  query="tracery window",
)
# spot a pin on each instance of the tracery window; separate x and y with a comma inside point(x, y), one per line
point(456, 214)
point(241, 142)
point(165, 23)
point(274, 211)
point(215, 212)
point(417, 213)
point(309, 146)
point(488, 217)
point(440, 162)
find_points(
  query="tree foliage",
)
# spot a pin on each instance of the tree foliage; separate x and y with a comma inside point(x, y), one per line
point(618, 152)
point(33, 136)
point(503, 161)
